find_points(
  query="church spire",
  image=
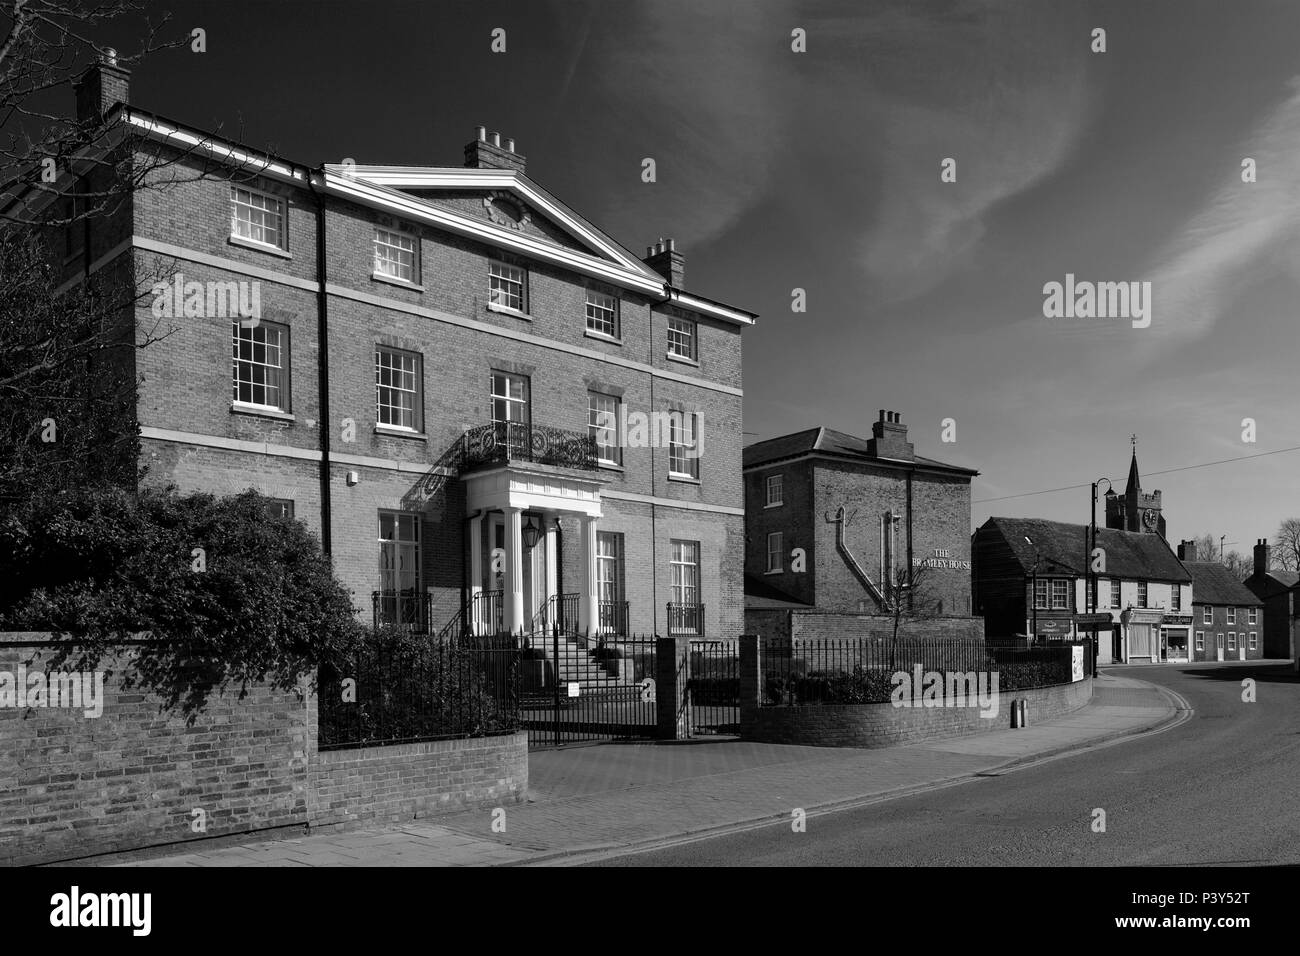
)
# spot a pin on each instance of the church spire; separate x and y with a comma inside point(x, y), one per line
point(1134, 483)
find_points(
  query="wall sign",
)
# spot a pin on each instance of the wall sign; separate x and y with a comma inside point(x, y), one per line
point(941, 558)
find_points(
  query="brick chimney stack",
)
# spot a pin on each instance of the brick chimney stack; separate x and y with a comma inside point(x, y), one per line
point(488, 152)
point(664, 259)
point(101, 87)
point(1187, 551)
point(889, 438)
point(1261, 556)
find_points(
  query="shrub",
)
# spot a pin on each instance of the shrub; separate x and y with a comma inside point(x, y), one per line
point(100, 566)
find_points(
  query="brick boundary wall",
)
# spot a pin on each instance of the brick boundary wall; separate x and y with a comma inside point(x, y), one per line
point(373, 785)
point(884, 725)
point(74, 786)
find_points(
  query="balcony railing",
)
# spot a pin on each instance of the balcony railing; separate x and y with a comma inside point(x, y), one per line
point(520, 441)
point(686, 619)
point(614, 617)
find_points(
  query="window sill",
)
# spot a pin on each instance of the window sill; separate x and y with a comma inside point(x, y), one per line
point(602, 337)
point(393, 280)
point(684, 479)
point(776, 505)
point(775, 571)
point(694, 363)
point(400, 432)
point(610, 466)
point(506, 310)
point(243, 408)
point(259, 246)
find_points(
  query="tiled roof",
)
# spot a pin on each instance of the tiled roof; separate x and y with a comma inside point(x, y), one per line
point(1212, 583)
point(1063, 547)
point(830, 442)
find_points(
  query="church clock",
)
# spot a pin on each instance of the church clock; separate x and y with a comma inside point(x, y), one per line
point(1149, 518)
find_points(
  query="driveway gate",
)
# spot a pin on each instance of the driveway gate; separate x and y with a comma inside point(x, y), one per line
point(713, 689)
point(577, 689)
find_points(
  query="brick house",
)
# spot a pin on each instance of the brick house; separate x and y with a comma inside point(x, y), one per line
point(1030, 576)
point(1226, 617)
point(1280, 593)
point(833, 522)
point(448, 379)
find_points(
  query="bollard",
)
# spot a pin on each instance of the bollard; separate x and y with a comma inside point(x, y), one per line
point(1015, 714)
point(1023, 706)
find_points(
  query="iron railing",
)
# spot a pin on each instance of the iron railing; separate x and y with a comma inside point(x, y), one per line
point(520, 441)
point(398, 687)
point(560, 612)
point(862, 671)
point(685, 619)
point(613, 617)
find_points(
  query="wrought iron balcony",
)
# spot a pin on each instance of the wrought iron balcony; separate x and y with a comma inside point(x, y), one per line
point(686, 619)
point(519, 441)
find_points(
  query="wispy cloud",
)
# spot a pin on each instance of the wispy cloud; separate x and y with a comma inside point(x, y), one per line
point(1245, 229)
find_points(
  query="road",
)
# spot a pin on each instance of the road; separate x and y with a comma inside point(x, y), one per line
point(1222, 788)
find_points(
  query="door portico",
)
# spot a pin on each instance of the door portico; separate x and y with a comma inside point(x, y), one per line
point(509, 497)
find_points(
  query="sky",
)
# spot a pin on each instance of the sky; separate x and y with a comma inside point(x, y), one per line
point(821, 170)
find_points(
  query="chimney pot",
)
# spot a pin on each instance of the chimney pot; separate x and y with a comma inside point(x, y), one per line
point(672, 245)
point(496, 139)
point(649, 251)
point(882, 414)
point(510, 145)
point(110, 56)
point(482, 134)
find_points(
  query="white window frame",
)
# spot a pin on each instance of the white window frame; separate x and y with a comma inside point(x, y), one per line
point(249, 201)
point(778, 552)
point(401, 381)
point(1060, 594)
point(776, 482)
point(512, 404)
point(507, 283)
point(1144, 594)
point(241, 333)
point(1232, 614)
point(1200, 640)
point(1175, 598)
point(1232, 640)
point(609, 567)
point(394, 252)
point(684, 560)
point(602, 308)
point(683, 440)
point(608, 450)
point(1252, 615)
point(399, 560)
point(1207, 614)
point(1254, 640)
point(683, 333)
point(1116, 593)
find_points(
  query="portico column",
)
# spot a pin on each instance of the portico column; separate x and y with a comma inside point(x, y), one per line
point(476, 571)
point(588, 604)
point(514, 595)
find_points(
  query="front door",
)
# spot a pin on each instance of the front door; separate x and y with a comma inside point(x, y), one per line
point(534, 567)
point(1219, 643)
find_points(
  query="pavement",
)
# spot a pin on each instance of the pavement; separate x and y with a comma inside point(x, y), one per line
point(589, 803)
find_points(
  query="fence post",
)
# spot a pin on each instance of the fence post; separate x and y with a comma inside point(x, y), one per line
point(673, 667)
point(750, 684)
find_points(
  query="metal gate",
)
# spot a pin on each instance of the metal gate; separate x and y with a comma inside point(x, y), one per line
point(713, 689)
point(579, 689)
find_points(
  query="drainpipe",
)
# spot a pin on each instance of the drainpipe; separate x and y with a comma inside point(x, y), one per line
point(322, 364)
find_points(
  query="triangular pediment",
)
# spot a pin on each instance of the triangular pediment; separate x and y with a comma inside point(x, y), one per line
point(504, 200)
